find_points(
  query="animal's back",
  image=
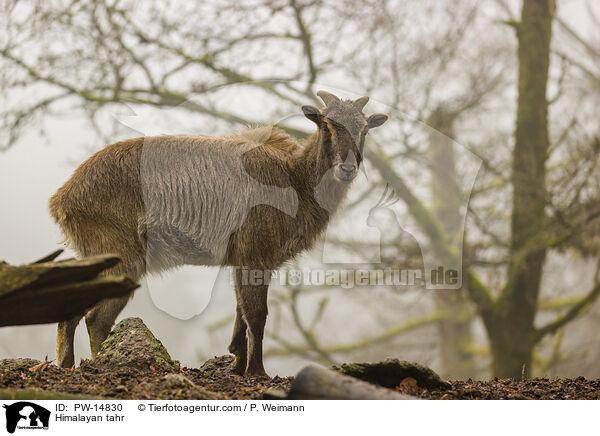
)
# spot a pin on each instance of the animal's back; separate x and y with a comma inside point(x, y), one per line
point(184, 194)
point(199, 190)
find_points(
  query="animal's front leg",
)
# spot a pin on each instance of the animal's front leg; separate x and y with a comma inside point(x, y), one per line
point(253, 301)
point(256, 317)
point(239, 341)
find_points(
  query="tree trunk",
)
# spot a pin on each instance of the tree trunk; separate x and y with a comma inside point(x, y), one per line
point(515, 310)
point(511, 351)
point(316, 383)
point(454, 332)
point(47, 292)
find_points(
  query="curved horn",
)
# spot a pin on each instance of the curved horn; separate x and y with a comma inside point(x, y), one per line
point(327, 97)
point(361, 102)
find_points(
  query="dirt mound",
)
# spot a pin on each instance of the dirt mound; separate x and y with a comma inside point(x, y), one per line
point(215, 375)
point(129, 383)
point(131, 344)
point(508, 389)
point(133, 364)
point(215, 380)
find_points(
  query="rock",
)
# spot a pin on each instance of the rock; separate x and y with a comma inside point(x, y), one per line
point(274, 394)
point(199, 393)
point(131, 344)
point(218, 363)
point(391, 372)
point(317, 383)
point(177, 381)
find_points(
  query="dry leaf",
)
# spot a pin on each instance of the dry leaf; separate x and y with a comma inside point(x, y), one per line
point(41, 366)
point(408, 386)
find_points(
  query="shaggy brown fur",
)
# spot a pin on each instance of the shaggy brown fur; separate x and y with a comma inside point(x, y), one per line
point(141, 199)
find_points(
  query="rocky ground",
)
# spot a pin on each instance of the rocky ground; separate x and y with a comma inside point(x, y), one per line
point(534, 389)
point(135, 365)
point(212, 380)
point(215, 378)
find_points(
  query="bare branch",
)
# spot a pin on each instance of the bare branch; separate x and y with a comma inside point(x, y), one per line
point(573, 312)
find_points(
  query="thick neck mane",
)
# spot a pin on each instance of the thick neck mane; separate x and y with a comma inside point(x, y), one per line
point(308, 161)
point(307, 168)
point(314, 178)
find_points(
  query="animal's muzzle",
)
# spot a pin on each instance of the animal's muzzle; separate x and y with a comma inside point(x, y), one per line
point(346, 172)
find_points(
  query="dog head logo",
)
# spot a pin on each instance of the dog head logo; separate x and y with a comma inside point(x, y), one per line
point(26, 415)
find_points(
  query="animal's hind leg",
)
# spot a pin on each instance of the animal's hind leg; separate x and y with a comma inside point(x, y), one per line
point(65, 349)
point(100, 319)
point(239, 341)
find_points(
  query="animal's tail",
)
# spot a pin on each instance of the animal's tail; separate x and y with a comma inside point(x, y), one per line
point(58, 212)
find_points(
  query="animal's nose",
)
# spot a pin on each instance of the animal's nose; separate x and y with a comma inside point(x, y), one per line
point(348, 168)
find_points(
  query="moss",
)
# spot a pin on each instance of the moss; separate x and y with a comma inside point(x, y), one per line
point(32, 394)
point(15, 278)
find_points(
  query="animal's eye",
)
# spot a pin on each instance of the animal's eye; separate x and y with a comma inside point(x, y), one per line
point(361, 140)
point(333, 126)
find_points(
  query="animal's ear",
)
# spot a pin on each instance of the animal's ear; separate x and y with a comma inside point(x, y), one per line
point(376, 120)
point(312, 113)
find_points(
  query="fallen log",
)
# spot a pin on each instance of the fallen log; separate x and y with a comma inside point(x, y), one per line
point(50, 291)
point(316, 383)
point(389, 373)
